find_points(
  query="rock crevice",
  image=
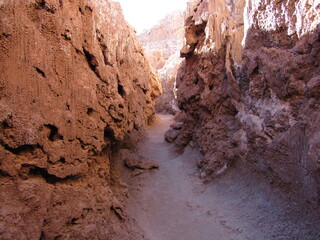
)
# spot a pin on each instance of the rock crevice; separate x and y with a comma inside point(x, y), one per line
point(162, 45)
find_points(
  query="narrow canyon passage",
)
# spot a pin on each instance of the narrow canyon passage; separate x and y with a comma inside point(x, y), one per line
point(172, 203)
point(83, 151)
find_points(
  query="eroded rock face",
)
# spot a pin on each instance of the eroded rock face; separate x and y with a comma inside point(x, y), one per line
point(280, 110)
point(74, 82)
point(208, 91)
point(162, 45)
point(258, 102)
point(164, 39)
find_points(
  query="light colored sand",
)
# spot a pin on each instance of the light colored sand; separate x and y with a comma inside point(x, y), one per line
point(173, 204)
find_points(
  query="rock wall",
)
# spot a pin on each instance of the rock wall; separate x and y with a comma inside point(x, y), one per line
point(207, 88)
point(249, 87)
point(167, 102)
point(164, 39)
point(74, 84)
point(162, 44)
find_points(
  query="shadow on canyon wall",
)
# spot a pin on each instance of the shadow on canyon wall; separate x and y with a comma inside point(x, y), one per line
point(264, 112)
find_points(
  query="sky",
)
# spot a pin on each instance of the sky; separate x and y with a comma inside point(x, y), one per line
point(143, 14)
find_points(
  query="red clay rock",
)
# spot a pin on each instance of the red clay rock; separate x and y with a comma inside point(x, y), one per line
point(177, 125)
point(163, 40)
point(162, 45)
point(73, 83)
point(257, 104)
point(134, 161)
point(171, 135)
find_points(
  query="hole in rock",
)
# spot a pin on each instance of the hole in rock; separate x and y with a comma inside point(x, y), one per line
point(6, 35)
point(121, 90)
point(255, 72)
point(78, 51)
point(4, 173)
point(54, 135)
point(109, 134)
point(91, 59)
point(40, 71)
point(23, 149)
point(90, 111)
point(42, 4)
point(5, 125)
point(62, 160)
point(144, 90)
point(92, 62)
point(37, 171)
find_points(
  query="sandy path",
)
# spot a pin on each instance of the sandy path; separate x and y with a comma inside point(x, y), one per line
point(173, 204)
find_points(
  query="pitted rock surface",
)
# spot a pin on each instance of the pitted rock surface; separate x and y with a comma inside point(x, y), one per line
point(248, 90)
point(74, 83)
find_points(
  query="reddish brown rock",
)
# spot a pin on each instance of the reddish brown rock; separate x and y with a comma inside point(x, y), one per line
point(164, 39)
point(208, 93)
point(280, 112)
point(74, 82)
point(135, 161)
point(171, 135)
point(177, 125)
point(162, 45)
point(255, 103)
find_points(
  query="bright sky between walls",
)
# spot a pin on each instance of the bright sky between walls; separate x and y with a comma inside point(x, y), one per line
point(143, 14)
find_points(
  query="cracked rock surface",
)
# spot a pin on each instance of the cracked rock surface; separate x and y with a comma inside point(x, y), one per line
point(249, 91)
point(74, 83)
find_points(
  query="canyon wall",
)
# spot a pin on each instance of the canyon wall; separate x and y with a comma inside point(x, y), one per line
point(74, 84)
point(162, 44)
point(164, 39)
point(249, 90)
